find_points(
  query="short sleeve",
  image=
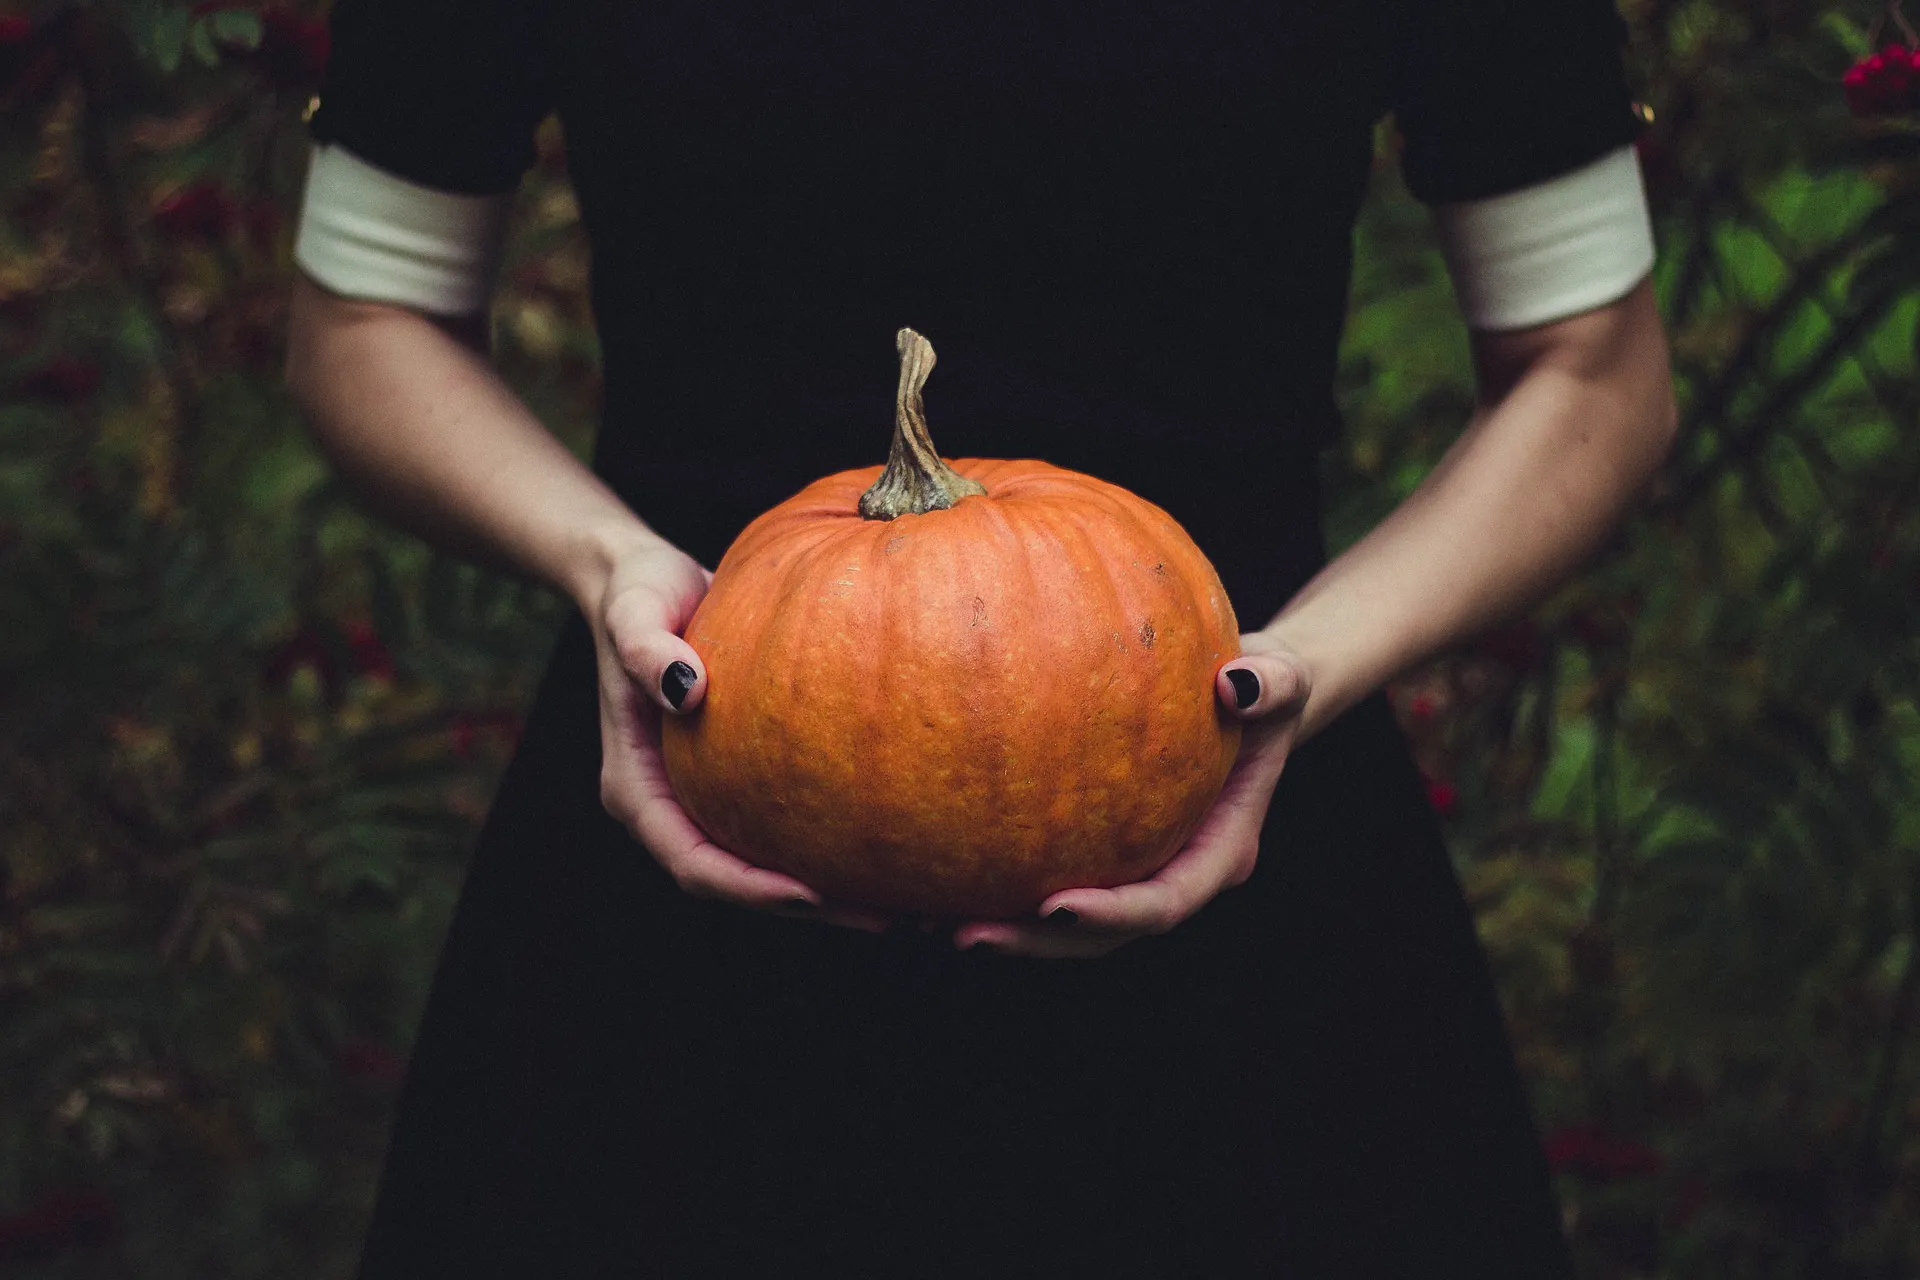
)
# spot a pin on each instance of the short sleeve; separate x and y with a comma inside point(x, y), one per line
point(1495, 95)
point(443, 93)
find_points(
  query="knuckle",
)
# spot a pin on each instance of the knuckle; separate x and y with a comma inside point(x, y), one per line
point(633, 651)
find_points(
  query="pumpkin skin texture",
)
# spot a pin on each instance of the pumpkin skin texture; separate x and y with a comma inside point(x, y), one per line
point(956, 712)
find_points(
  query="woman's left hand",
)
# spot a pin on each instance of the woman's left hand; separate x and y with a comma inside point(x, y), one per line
point(1084, 923)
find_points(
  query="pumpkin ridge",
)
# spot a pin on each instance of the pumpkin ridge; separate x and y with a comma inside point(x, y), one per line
point(1093, 666)
point(1124, 714)
point(1138, 599)
point(1023, 793)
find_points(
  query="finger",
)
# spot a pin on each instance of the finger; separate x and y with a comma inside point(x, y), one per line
point(635, 788)
point(1038, 941)
point(1092, 922)
point(1221, 854)
point(665, 666)
point(1192, 879)
point(1256, 685)
point(708, 871)
point(705, 870)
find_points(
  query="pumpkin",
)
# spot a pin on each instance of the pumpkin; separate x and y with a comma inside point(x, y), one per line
point(955, 689)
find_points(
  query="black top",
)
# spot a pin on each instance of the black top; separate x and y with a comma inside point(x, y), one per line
point(1126, 229)
point(1127, 235)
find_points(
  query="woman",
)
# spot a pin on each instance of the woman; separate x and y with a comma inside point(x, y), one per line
point(1126, 229)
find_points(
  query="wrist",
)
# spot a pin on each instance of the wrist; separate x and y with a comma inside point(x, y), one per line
point(595, 553)
point(1340, 670)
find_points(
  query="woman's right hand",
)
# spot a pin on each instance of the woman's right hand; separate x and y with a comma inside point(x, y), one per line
point(646, 671)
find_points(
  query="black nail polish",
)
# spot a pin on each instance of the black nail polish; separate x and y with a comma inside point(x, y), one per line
point(1246, 687)
point(676, 680)
point(1063, 915)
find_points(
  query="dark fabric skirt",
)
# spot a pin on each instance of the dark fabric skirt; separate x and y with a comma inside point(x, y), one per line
point(1311, 1078)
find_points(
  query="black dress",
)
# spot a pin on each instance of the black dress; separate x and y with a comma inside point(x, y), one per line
point(1126, 228)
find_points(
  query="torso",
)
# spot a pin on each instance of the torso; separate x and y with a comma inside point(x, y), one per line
point(1125, 229)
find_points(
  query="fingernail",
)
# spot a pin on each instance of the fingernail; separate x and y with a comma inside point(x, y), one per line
point(799, 904)
point(676, 680)
point(1246, 687)
point(1063, 915)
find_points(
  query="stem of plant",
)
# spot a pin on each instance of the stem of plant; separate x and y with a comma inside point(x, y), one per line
point(916, 480)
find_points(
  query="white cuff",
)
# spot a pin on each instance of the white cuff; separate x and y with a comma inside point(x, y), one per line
point(1551, 250)
point(365, 233)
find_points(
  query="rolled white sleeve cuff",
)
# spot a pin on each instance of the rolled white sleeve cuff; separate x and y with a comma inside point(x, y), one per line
point(366, 233)
point(1551, 250)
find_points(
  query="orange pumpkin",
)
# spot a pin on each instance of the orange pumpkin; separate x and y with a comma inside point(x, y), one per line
point(956, 690)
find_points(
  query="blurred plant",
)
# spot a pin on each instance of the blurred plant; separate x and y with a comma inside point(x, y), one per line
point(250, 732)
point(1886, 81)
point(1682, 793)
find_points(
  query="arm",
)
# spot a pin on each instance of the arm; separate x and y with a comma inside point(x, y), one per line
point(407, 408)
point(1573, 418)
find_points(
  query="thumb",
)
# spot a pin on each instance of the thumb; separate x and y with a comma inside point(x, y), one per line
point(666, 667)
point(1254, 686)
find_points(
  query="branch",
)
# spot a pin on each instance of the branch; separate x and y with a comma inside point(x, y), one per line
point(1880, 1098)
point(1788, 391)
point(123, 244)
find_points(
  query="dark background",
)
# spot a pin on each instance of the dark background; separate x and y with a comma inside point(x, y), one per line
point(247, 733)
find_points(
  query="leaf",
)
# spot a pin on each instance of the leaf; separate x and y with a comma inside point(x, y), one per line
point(1564, 787)
point(1846, 33)
point(284, 473)
point(354, 867)
point(238, 27)
point(200, 40)
point(170, 38)
point(1749, 263)
point(76, 920)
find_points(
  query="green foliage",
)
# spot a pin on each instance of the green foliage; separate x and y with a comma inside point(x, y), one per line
point(250, 731)
point(1687, 788)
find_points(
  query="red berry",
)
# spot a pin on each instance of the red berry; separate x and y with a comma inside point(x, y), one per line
point(1583, 1150)
point(1886, 82)
point(200, 211)
point(294, 48)
point(369, 651)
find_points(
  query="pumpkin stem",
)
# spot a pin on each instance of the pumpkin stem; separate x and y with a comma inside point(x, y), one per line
point(916, 480)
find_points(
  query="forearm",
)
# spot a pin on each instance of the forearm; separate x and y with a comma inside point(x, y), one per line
point(434, 441)
point(1573, 422)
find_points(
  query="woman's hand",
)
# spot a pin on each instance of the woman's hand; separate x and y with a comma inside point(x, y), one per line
point(646, 671)
point(1266, 686)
